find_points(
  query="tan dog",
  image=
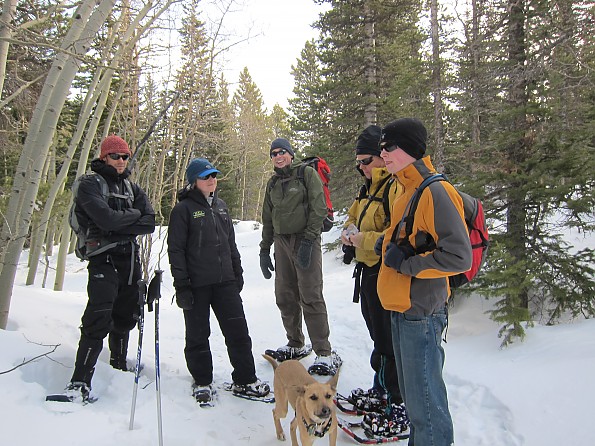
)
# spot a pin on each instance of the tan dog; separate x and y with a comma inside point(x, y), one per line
point(313, 403)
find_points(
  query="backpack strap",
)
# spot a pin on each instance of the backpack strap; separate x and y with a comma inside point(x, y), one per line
point(385, 203)
point(411, 207)
point(371, 198)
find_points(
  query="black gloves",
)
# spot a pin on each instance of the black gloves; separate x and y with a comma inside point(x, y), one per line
point(240, 282)
point(348, 254)
point(378, 245)
point(304, 254)
point(265, 264)
point(184, 297)
point(395, 254)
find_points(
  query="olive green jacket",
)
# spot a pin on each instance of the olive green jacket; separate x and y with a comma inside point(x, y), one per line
point(293, 206)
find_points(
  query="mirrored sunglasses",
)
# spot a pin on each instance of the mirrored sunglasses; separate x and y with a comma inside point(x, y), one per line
point(206, 177)
point(365, 161)
point(117, 156)
point(278, 152)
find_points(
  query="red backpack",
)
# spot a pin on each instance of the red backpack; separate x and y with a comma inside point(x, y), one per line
point(476, 225)
point(324, 172)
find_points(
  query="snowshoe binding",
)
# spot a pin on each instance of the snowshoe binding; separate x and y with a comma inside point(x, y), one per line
point(204, 395)
point(286, 352)
point(326, 365)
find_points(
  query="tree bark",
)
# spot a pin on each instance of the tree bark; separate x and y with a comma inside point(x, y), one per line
point(88, 18)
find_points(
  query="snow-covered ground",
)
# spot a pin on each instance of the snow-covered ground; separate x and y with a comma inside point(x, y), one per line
point(536, 393)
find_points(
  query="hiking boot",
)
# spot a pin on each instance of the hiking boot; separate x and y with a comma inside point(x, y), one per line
point(371, 400)
point(326, 365)
point(257, 389)
point(79, 392)
point(286, 352)
point(388, 424)
point(202, 394)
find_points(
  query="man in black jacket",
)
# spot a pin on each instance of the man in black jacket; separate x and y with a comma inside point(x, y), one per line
point(207, 271)
point(112, 226)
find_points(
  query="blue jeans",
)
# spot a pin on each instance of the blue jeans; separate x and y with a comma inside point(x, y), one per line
point(420, 359)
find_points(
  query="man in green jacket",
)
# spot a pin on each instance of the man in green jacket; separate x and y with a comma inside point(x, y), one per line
point(292, 215)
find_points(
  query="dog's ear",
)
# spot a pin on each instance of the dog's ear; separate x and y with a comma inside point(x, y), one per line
point(333, 381)
point(301, 390)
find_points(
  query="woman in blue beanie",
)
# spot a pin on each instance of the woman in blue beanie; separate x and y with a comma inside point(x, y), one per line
point(207, 271)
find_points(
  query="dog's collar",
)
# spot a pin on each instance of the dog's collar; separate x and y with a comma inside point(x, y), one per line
point(318, 429)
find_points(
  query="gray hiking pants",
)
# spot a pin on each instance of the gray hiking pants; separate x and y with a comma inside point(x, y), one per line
point(299, 291)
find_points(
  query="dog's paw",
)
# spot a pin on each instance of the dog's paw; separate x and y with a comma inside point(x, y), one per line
point(281, 436)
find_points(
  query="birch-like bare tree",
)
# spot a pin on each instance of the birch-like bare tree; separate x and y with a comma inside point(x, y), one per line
point(86, 22)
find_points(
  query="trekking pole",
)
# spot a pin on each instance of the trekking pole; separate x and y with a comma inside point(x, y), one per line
point(154, 294)
point(142, 298)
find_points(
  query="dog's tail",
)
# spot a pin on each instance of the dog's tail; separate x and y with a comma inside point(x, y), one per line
point(272, 361)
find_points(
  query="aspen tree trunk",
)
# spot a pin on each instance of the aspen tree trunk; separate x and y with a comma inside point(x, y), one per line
point(9, 9)
point(87, 21)
point(96, 104)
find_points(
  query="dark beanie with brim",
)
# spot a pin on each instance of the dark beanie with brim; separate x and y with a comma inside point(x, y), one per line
point(408, 134)
point(368, 141)
point(281, 143)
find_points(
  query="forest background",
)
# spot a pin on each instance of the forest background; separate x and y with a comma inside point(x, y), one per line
point(506, 89)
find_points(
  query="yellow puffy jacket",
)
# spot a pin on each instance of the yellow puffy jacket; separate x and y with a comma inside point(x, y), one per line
point(422, 285)
point(374, 222)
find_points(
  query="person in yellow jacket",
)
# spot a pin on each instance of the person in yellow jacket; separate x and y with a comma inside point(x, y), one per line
point(368, 218)
point(414, 286)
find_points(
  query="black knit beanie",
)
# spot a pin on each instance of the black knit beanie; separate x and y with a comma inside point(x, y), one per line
point(367, 141)
point(408, 134)
point(282, 143)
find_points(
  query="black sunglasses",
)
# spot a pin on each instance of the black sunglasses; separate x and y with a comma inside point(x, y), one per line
point(365, 161)
point(279, 152)
point(206, 177)
point(117, 156)
point(388, 146)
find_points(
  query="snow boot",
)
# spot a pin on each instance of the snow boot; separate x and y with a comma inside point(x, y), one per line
point(118, 346)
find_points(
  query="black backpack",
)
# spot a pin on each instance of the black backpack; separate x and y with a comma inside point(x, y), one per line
point(81, 232)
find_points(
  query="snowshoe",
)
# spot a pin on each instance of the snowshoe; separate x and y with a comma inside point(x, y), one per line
point(326, 365)
point(286, 352)
point(369, 401)
point(204, 395)
point(256, 391)
point(385, 424)
point(75, 392)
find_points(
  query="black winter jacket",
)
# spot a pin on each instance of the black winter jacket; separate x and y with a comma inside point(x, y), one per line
point(201, 241)
point(114, 220)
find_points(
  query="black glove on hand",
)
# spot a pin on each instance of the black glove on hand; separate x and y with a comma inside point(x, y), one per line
point(378, 245)
point(266, 265)
point(240, 282)
point(395, 254)
point(304, 254)
point(184, 297)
